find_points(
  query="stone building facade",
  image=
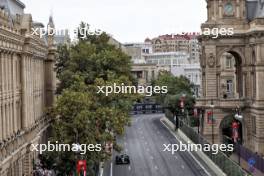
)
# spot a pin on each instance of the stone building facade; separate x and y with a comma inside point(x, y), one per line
point(246, 45)
point(27, 84)
point(174, 43)
point(142, 71)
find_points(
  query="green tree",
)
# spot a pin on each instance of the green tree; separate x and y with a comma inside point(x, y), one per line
point(61, 66)
point(177, 87)
point(80, 114)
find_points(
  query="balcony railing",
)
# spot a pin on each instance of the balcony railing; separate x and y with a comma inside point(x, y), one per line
point(230, 103)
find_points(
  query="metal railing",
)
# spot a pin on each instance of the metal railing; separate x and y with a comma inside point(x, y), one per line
point(220, 159)
point(247, 155)
point(146, 108)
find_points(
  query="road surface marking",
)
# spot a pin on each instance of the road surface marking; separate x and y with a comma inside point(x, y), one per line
point(182, 166)
point(102, 171)
point(176, 157)
point(187, 150)
point(156, 167)
point(111, 169)
point(126, 150)
point(129, 168)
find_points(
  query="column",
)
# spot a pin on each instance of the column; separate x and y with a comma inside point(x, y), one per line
point(19, 120)
point(34, 89)
point(244, 84)
point(7, 120)
point(15, 117)
point(8, 112)
point(1, 91)
point(1, 73)
point(12, 71)
point(31, 78)
point(12, 118)
point(4, 73)
point(42, 87)
point(9, 72)
point(1, 123)
point(4, 120)
point(23, 87)
point(14, 93)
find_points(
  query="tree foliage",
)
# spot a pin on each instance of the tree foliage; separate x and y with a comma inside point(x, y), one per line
point(177, 87)
point(80, 114)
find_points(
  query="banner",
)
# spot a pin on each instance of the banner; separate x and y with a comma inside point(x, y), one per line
point(81, 167)
point(235, 134)
point(210, 117)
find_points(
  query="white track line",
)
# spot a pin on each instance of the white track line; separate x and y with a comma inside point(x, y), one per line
point(111, 169)
point(187, 150)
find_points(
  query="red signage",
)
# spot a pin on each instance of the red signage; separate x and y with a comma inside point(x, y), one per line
point(210, 117)
point(81, 167)
point(235, 134)
point(235, 125)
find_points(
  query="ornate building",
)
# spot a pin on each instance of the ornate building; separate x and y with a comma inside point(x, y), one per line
point(245, 102)
point(26, 88)
point(142, 71)
point(174, 43)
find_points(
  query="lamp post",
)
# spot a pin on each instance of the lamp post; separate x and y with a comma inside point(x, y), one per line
point(212, 119)
point(197, 116)
point(239, 117)
point(176, 120)
point(182, 103)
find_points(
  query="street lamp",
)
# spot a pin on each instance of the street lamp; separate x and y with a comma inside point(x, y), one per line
point(197, 113)
point(182, 103)
point(212, 119)
point(201, 119)
point(239, 117)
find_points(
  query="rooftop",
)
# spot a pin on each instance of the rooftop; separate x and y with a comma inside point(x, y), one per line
point(21, 4)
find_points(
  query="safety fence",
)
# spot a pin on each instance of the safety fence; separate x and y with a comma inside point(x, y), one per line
point(221, 159)
point(252, 158)
point(146, 108)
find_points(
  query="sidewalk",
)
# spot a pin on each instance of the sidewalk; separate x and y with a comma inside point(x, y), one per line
point(233, 157)
point(215, 170)
point(243, 163)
